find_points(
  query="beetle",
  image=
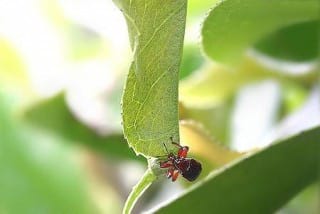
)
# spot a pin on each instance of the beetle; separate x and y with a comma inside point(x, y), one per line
point(189, 168)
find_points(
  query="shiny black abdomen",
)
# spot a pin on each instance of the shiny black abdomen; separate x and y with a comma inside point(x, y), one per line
point(189, 168)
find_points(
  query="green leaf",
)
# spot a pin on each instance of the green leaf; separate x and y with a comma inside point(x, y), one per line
point(259, 183)
point(37, 175)
point(150, 99)
point(294, 43)
point(191, 60)
point(54, 115)
point(235, 25)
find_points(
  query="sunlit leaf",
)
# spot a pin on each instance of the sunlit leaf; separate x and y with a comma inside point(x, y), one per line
point(235, 25)
point(150, 100)
point(203, 145)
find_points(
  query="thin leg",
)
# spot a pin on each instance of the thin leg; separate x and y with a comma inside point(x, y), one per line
point(165, 147)
point(175, 143)
point(170, 172)
point(166, 164)
point(175, 175)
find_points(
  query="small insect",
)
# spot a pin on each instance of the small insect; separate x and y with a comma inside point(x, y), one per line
point(189, 168)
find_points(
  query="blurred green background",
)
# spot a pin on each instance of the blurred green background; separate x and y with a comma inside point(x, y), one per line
point(62, 70)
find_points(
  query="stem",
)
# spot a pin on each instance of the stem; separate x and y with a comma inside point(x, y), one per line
point(137, 190)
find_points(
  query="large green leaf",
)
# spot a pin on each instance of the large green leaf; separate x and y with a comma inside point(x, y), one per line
point(234, 25)
point(150, 100)
point(259, 183)
point(54, 115)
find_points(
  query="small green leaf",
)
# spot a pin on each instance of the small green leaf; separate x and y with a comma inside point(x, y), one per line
point(235, 25)
point(258, 183)
point(150, 100)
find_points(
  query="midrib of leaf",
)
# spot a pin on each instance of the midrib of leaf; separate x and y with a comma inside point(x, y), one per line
point(150, 99)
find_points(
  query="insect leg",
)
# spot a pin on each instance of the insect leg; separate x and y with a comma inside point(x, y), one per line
point(175, 175)
point(166, 164)
point(170, 172)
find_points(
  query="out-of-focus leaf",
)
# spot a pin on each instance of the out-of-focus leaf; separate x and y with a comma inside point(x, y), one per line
point(294, 95)
point(150, 100)
point(54, 115)
point(235, 25)
point(306, 117)
point(259, 183)
point(204, 146)
point(215, 119)
point(214, 84)
point(37, 175)
point(191, 60)
point(294, 43)
point(305, 202)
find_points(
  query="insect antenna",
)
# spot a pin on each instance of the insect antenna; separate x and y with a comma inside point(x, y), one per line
point(162, 156)
point(166, 148)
